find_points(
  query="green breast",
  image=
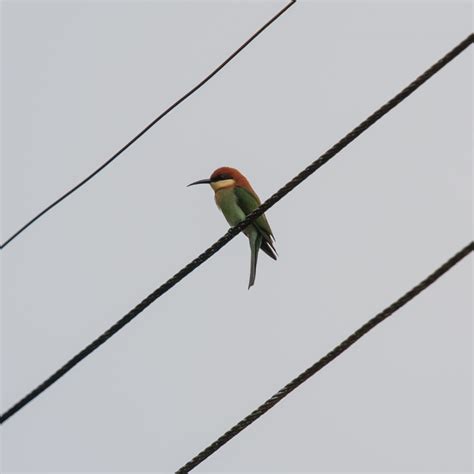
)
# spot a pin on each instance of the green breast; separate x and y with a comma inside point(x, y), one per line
point(227, 203)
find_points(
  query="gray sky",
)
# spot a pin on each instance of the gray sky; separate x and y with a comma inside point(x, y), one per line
point(79, 79)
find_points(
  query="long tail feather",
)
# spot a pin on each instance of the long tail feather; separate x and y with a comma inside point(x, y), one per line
point(255, 242)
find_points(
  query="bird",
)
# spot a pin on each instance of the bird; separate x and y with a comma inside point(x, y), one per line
point(236, 199)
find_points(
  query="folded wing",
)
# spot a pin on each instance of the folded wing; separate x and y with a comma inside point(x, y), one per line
point(248, 202)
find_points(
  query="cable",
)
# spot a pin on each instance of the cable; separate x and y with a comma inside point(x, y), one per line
point(150, 125)
point(233, 231)
point(329, 357)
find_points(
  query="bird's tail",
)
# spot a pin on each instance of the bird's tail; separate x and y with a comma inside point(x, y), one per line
point(255, 240)
point(268, 248)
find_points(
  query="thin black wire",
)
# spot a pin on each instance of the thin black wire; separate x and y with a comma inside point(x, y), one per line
point(150, 125)
point(329, 357)
point(232, 232)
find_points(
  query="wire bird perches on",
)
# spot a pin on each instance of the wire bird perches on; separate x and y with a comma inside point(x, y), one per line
point(330, 356)
point(232, 232)
point(150, 125)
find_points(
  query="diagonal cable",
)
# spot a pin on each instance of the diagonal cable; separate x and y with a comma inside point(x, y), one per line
point(232, 232)
point(150, 125)
point(329, 357)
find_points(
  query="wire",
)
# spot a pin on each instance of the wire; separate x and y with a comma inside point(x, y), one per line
point(233, 231)
point(150, 125)
point(329, 357)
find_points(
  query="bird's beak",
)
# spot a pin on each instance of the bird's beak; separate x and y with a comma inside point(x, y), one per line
point(201, 181)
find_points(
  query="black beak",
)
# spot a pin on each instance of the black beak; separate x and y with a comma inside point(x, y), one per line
point(201, 181)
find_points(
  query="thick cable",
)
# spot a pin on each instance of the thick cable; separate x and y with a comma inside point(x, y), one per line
point(330, 356)
point(233, 231)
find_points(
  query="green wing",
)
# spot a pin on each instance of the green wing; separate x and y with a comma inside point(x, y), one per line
point(248, 202)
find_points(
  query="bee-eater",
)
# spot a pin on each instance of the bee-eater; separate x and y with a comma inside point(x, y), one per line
point(236, 199)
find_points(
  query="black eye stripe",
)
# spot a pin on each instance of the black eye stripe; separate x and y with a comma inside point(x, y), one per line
point(221, 177)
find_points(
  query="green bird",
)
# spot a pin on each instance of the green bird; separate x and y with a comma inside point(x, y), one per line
point(236, 199)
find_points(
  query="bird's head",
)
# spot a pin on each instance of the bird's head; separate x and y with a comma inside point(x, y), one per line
point(224, 177)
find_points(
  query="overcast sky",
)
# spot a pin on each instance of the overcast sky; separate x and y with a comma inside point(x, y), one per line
point(79, 79)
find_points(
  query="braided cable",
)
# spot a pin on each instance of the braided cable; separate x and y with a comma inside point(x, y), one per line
point(233, 231)
point(330, 356)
